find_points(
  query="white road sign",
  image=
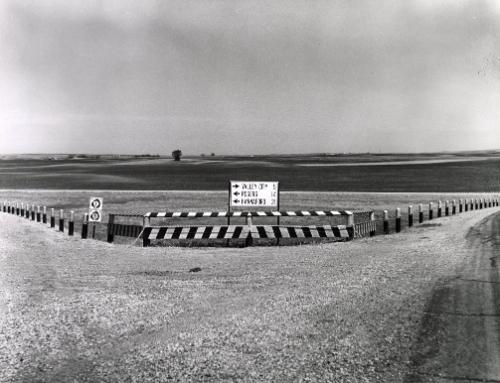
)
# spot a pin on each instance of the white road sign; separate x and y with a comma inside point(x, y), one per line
point(253, 194)
point(95, 209)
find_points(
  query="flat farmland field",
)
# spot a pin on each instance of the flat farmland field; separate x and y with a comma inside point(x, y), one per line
point(384, 173)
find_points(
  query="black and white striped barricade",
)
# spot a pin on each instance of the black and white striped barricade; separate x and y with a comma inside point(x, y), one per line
point(460, 205)
point(33, 212)
point(430, 211)
point(44, 215)
point(244, 233)
point(244, 214)
point(446, 208)
point(410, 216)
point(17, 208)
point(453, 207)
point(466, 205)
point(343, 217)
point(38, 214)
point(440, 209)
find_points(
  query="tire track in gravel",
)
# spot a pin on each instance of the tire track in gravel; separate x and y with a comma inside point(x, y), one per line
point(460, 334)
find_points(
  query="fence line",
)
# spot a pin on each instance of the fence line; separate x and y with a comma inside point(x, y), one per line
point(369, 226)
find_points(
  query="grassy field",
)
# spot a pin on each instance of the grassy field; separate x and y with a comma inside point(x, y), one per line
point(462, 172)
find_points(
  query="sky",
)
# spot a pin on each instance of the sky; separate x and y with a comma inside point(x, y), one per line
point(249, 76)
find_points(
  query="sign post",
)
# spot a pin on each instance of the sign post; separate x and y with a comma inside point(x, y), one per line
point(253, 194)
point(95, 212)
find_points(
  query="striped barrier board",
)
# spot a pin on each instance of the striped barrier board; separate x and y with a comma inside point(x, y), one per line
point(326, 231)
point(247, 232)
point(301, 213)
point(196, 232)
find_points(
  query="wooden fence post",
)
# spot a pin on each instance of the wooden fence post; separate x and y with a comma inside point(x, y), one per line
point(350, 219)
point(44, 215)
point(33, 213)
point(111, 222)
point(71, 223)
point(398, 220)
point(453, 207)
point(446, 208)
point(145, 223)
point(372, 220)
point(386, 222)
point(38, 214)
point(440, 209)
point(420, 213)
point(61, 220)
point(460, 205)
point(52, 218)
point(17, 208)
point(85, 226)
point(410, 216)
point(430, 211)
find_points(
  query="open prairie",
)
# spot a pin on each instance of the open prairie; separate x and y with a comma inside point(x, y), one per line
point(84, 310)
point(458, 172)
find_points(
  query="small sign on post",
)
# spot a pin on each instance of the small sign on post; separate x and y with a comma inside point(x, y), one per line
point(95, 209)
point(252, 194)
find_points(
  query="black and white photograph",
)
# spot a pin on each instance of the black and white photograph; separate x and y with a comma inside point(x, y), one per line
point(249, 191)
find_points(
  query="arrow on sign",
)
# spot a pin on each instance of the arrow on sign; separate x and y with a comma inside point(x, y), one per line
point(236, 193)
point(236, 201)
point(236, 186)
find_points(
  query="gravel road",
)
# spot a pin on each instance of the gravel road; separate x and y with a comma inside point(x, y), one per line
point(372, 310)
point(460, 334)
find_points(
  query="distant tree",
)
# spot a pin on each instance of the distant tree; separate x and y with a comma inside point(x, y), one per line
point(212, 154)
point(176, 154)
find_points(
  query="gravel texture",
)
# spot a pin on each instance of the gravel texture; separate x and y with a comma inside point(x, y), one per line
point(86, 311)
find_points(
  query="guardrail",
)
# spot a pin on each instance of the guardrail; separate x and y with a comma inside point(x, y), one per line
point(245, 234)
point(355, 224)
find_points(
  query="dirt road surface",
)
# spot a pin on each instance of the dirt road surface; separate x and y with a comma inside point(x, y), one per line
point(418, 306)
point(460, 335)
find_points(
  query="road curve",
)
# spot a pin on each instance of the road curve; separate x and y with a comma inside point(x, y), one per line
point(460, 334)
point(88, 311)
